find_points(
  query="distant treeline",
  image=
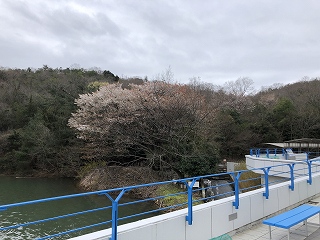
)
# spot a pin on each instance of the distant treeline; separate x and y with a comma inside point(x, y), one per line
point(36, 105)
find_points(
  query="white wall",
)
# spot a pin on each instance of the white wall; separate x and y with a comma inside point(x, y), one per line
point(218, 217)
point(279, 169)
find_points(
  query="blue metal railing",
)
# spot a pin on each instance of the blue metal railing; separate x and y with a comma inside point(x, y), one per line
point(275, 153)
point(218, 188)
point(267, 152)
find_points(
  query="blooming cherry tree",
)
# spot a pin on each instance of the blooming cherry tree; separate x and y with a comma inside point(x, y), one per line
point(158, 124)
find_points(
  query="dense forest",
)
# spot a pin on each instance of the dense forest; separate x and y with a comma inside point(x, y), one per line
point(57, 121)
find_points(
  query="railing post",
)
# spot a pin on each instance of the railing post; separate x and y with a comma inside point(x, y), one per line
point(236, 189)
point(115, 203)
point(309, 171)
point(189, 217)
point(292, 176)
point(266, 181)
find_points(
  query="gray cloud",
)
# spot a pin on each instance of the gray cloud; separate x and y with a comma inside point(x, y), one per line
point(268, 41)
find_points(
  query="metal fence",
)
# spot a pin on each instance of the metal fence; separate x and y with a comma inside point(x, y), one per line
point(185, 194)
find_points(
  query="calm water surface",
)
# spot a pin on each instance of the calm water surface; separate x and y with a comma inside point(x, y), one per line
point(13, 190)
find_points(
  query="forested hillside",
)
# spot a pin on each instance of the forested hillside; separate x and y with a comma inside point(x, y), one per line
point(156, 124)
point(35, 105)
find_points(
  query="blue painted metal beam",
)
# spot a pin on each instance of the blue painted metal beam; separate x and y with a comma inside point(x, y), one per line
point(190, 192)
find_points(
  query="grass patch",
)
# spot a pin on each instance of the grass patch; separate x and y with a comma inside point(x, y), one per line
point(174, 195)
point(248, 180)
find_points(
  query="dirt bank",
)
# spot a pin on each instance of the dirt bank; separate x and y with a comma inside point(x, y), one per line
point(113, 177)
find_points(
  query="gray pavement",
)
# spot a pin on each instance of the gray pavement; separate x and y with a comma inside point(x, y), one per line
point(298, 232)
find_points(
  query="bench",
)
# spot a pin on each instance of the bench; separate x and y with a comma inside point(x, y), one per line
point(291, 218)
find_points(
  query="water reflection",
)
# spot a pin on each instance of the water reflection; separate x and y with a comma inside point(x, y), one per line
point(14, 190)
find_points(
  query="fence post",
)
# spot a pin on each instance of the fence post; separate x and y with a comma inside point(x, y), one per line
point(189, 217)
point(266, 181)
point(115, 202)
point(236, 189)
point(309, 171)
point(292, 176)
point(256, 152)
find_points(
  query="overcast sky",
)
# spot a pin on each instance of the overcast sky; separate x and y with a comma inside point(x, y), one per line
point(270, 41)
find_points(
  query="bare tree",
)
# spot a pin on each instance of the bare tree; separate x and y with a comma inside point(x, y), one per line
point(241, 87)
point(239, 92)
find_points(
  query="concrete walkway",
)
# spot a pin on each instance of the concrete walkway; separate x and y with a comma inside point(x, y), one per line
point(261, 231)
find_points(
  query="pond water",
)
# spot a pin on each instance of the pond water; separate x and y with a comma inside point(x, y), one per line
point(13, 190)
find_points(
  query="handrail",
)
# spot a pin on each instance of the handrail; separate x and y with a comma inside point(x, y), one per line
point(275, 152)
point(115, 195)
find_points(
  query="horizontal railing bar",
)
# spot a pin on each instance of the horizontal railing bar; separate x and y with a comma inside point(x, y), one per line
point(54, 218)
point(100, 192)
point(148, 212)
point(74, 230)
point(164, 196)
point(160, 209)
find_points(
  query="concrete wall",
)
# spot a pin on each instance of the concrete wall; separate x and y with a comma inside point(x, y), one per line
point(216, 218)
point(279, 169)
